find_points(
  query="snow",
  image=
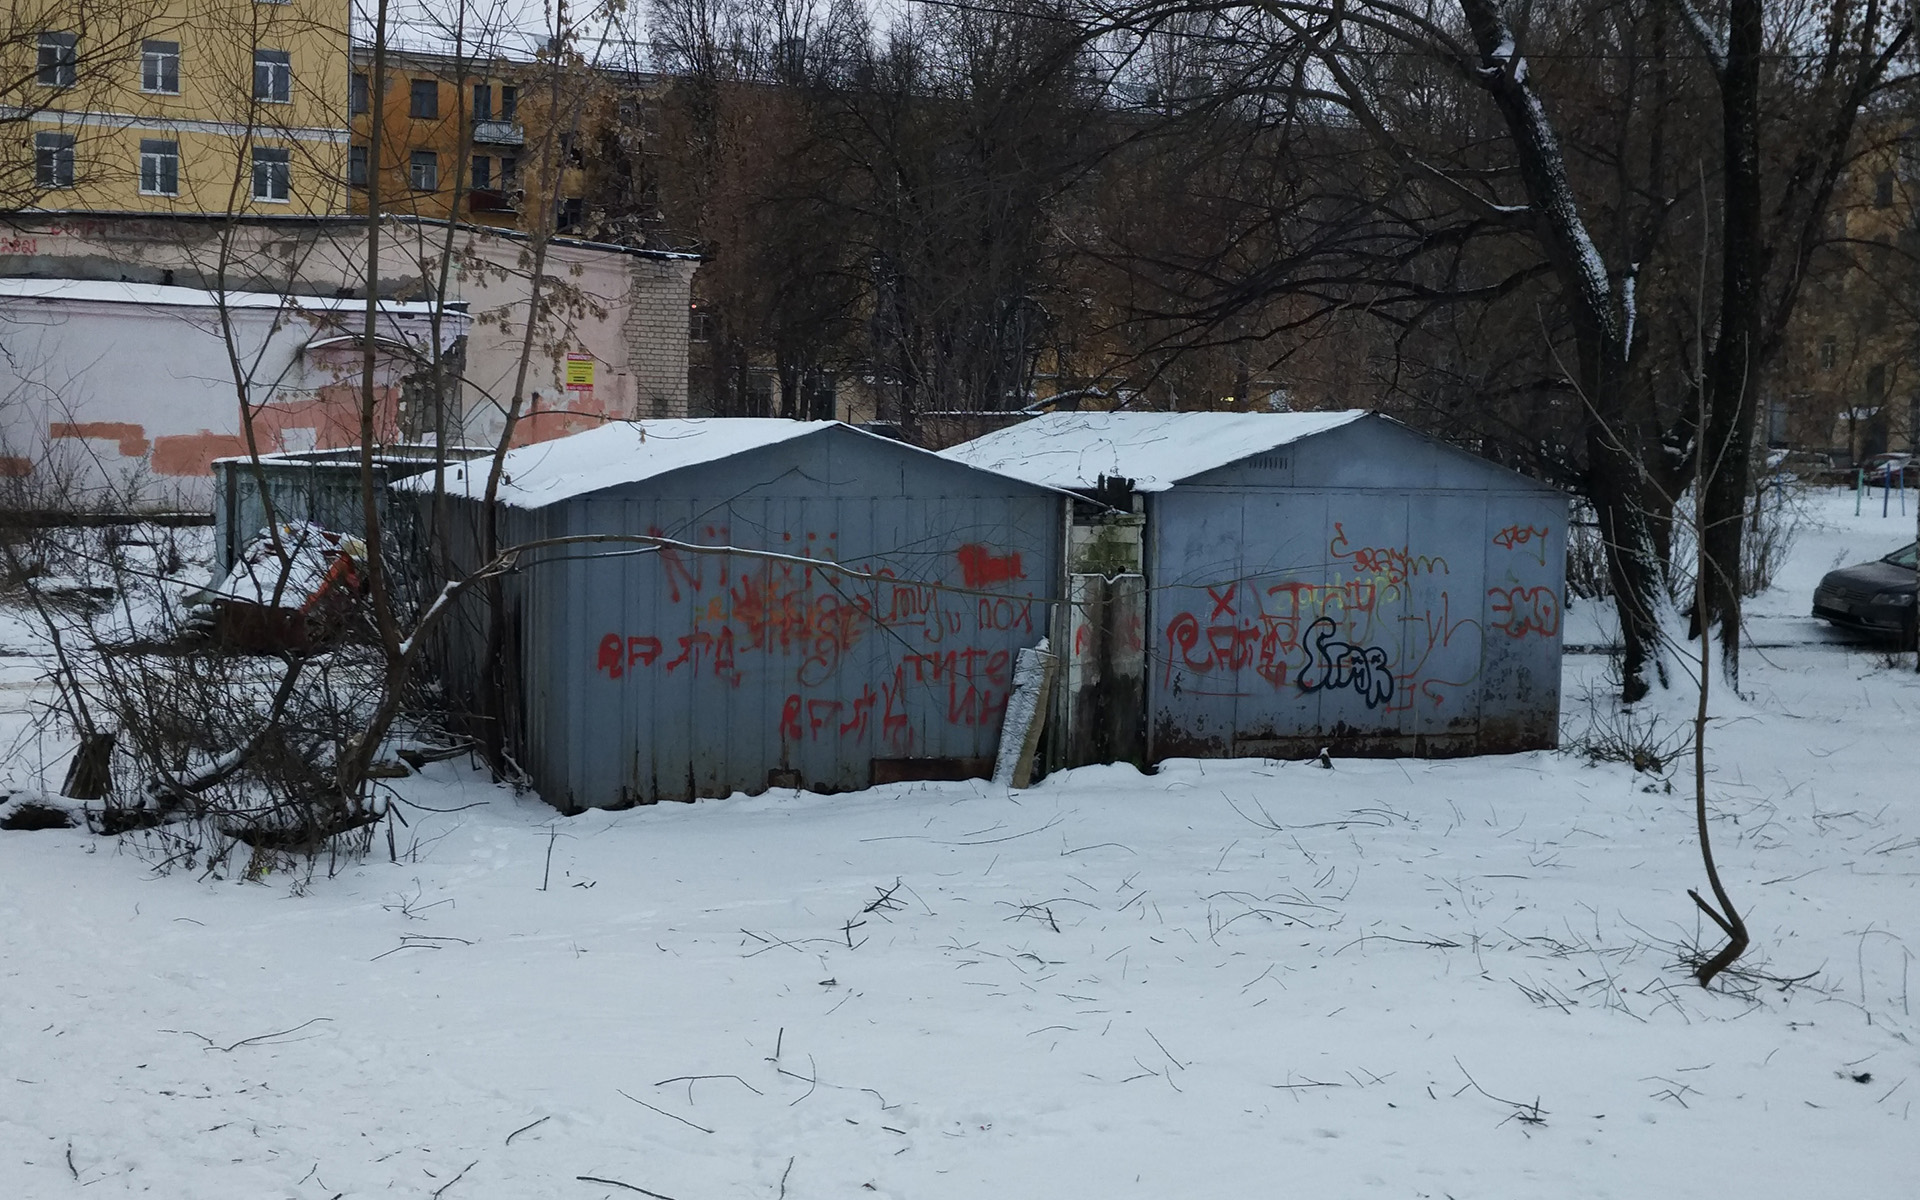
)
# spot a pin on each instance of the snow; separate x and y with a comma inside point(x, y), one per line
point(1199, 982)
point(623, 452)
point(1155, 450)
point(262, 576)
point(616, 453)
point(156, 295)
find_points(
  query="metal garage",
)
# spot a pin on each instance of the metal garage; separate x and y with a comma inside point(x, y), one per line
point(1321, 579)
point(842, 609)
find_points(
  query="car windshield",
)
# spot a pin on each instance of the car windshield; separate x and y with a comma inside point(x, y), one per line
point(1903, 558)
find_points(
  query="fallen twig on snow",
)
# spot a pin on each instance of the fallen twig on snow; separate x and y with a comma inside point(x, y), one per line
point(256, 1040)
point(690, 1080)
point(456, 1179)
point(1526, 1114)
point(616, 1183)
point(516, 1133)
point(663, 1112)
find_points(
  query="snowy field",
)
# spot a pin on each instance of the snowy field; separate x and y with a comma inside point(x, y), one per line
point(1393, 978)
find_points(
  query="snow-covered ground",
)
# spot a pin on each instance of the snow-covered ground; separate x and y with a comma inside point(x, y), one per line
point(1230, 978)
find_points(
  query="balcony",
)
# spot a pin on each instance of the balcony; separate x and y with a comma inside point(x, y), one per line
point(498, 133)
point(493, 200)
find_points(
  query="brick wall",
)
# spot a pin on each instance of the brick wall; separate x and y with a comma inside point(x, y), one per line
point(656, 332)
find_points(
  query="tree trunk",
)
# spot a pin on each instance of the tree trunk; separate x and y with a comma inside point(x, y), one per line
point(1732, 384)
point(1624, 505)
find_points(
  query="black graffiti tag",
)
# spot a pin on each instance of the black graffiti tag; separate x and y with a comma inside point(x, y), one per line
point(1332, 664)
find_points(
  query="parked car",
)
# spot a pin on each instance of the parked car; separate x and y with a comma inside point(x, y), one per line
point(1883, 469)
point(1873, 597)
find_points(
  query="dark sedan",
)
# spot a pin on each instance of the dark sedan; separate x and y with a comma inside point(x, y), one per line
point(1873, 597)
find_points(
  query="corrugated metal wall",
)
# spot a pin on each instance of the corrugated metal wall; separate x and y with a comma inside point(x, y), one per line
point(670, 675)
point(1365, 590)
point(322, 486)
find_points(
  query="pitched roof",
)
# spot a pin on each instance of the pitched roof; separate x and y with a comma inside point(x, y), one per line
point(155, 295)
point(616, 453)
point(1155, 450)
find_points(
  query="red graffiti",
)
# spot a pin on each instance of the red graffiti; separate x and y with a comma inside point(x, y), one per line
point(1222, 603)
point(797, 620)
point(618, 655)
point(1518, 535)
point(981, 567)
point(1005, 614)
point(701, 643)
point(990, 665)
point(1203, 649)
point(1520, 611)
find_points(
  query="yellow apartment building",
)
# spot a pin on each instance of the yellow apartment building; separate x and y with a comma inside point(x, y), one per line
point(177, 106)
point(473, 137)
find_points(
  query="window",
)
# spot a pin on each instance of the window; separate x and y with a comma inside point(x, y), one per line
point(273, 76)
point(760, 392)
point(423, 171)
point(1877, 382)
point(159, 168)
point(509, 102)
point(483, 102)
point(568, 213)
point(59, 62)
point(423, 102)
point(160, 67)
point(509, 172)
point(482, 173)
point(272, 175)
point(699, 325)
point(1779, 420)
point(1883, 190)
point(356, 166)
point(357, 101)
point(53, 160)
point(1829, 353)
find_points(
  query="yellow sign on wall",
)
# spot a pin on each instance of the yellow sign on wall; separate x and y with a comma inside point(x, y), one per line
point(579, 372)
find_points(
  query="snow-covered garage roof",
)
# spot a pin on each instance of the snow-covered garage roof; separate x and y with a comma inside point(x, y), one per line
point(1155, 450)
point(616, 453)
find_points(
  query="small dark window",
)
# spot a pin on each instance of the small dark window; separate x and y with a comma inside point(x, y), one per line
point(483, 102)
point(482, 173)
point(59, 60)
point(423, 101)
point(509, 172)
point(1829, 353)
point(272, 174)
point(1883, 190)
point(1779, 420)
point(760, 392)
point(568, 213)
point(699, 325)
point(53, 160)
point(358, 100)
point(423, 171)
point(509, 102)
point(356, 166)
point(160, 67)
point(1877, 382)
point(159, 168)
point(273, 76)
